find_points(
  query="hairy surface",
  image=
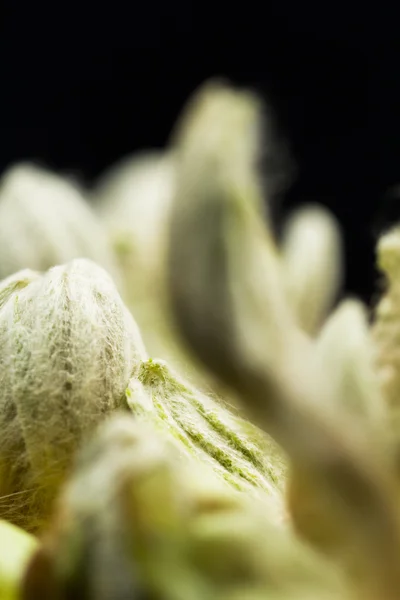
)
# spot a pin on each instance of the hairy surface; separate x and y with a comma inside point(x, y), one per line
point(69, 347)
point(205, 428)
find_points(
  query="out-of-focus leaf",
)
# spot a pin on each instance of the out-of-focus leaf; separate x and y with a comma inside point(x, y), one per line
point(312, 265)
point(16, 549)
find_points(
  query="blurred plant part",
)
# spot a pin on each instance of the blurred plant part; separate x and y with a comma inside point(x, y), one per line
point(16, 549)
point(139, 520)
point(216, 156)
point(387, 318)
point(347, 352)
point(203, 427)
point(133, 200)
point(177, 496)
point(45, 221)
point(228, 292)
point(312, 264)
point(386, 332)
point(68, 349)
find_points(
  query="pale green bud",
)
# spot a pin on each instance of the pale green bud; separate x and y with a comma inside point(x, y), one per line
point(45, 221)
point(68, 349)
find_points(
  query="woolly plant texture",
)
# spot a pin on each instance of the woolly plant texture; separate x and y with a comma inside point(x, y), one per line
point(68, 349)
point(204, 428)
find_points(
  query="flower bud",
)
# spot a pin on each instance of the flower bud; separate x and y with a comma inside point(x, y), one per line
point(68, 349)
point(44, 221)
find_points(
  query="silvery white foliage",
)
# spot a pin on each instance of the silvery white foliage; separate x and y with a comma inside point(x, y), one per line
point(68, 349)
point(45, 221)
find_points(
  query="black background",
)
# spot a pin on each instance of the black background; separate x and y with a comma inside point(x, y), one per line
point(84, 84)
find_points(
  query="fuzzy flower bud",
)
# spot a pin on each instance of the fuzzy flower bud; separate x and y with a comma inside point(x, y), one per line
point(68, 349)
point(44, 221)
